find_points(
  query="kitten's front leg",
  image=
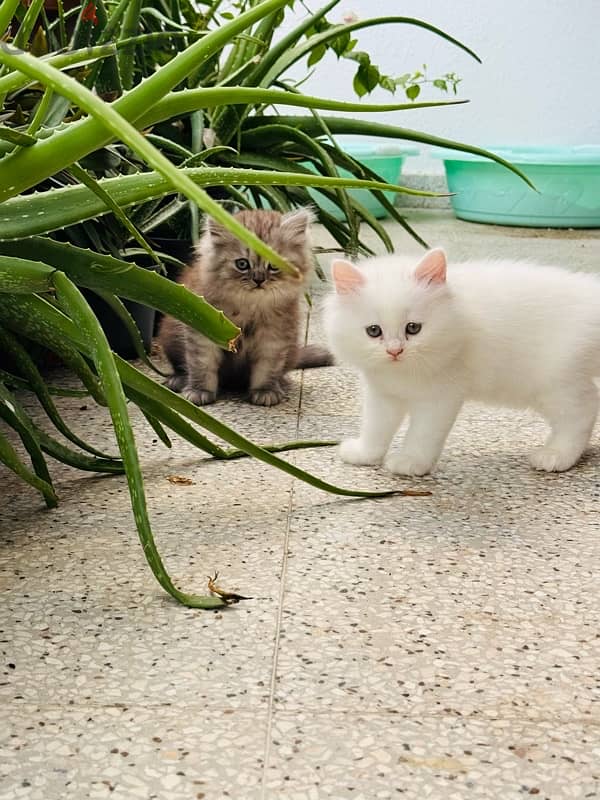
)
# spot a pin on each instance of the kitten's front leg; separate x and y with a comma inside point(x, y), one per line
point(267, 378)
point(203, 359)
point(381, 418)
point(430, 424)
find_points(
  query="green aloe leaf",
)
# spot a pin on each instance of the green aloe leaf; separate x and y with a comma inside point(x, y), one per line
point(26, 26)
point(287, 42)
point(350, 163)
point(13, 413)
point(187, 100)
point(21, 313)
point(16, 137)
point(105, 273)
point(10, 457)
point(41, 113)
point(340, 125)
point(93, 335)
point(236, 453)
point(48, 322)
point(15, 382)
point(76, 58)
point(43, 212)
point(12, 347)
point(169, 145)
point(327, 165)
point(69, 89)
point(7, 12)
point(162, 413)
point(155, 409)
point(360, 170)
point(143, 385)
point(22, 275)
point(51, 154)
point(130, 26)
point(157, 428)
point(163, 213)
point(132, 329)
point(111, 205)
point(66, 455)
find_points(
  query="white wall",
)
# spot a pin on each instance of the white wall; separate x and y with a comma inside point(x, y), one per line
point(539, 82)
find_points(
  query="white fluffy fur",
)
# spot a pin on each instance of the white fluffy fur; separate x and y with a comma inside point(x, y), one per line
point(511, 334)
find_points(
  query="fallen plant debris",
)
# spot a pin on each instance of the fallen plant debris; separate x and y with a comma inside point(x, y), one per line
point(180, 479)
point(230, 598)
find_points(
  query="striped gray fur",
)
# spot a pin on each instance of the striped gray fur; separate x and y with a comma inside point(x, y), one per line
point(262, 301)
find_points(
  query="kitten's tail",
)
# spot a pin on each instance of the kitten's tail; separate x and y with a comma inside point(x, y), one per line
point(313, 355)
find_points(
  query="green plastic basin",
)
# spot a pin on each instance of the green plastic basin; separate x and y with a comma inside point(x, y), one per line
point(567, 179)
point(383, 156)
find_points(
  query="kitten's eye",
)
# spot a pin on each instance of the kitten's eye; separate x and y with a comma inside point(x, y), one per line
point(413, 328)
point(374, 331)
point(242, 264)
point(273, 269)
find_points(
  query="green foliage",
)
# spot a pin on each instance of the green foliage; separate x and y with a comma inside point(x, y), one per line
point(412, 83)
point(119, 118)
point(368, 76)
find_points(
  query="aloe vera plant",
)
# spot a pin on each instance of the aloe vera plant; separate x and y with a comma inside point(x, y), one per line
point(65, 112)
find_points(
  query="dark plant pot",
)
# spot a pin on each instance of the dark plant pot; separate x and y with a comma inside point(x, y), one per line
point(116, 332)
point(52, 5)
point(42, 357)
point(183, 249)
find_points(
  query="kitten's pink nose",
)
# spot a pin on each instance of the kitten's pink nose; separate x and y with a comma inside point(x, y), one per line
point(394, 348)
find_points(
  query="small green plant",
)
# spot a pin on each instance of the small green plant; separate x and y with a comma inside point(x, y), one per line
point(368, 76)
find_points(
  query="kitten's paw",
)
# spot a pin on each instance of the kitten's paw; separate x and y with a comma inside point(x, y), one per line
point(266, 397)
point(354, 451)
point(176, 382)
point(408, 464)
point(549, 459)
point(199, 397)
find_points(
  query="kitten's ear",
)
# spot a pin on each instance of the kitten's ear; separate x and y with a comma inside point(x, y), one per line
point(213, 229)
point(432, 268)
point(347, 278)
point(297, 222)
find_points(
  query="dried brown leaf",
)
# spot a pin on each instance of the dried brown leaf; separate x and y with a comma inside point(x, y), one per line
point(180, 479)
point(229, 597)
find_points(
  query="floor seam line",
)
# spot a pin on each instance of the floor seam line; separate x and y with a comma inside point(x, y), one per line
point(278, 624)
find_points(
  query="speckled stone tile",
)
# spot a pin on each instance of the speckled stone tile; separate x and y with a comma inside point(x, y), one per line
point(426, 626)
point(130, 752)
point(84, 620)
point(371, 757)
point(435, 647)
point(479, 600)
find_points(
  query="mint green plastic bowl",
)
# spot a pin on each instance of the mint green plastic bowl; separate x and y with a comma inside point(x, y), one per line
point(567, 178)
point(383, 156)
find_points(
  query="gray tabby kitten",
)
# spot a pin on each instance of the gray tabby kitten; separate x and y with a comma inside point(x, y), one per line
point(261, 300)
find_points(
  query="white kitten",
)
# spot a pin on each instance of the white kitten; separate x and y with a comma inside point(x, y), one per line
point(510, 334)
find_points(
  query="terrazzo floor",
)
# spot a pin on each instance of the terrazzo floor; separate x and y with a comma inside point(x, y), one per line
point(427, 647)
